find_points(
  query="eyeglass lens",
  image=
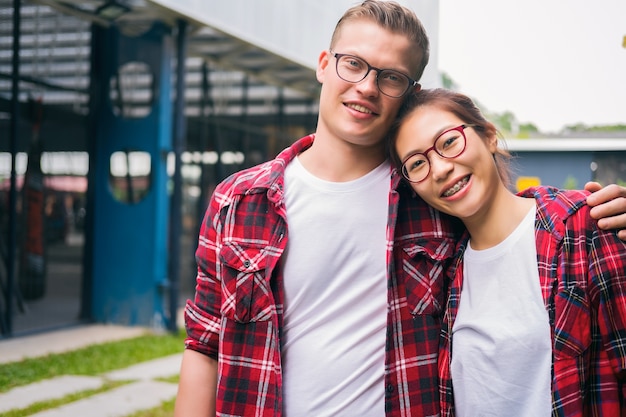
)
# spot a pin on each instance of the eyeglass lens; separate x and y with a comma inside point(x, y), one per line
point(449, 144)
point(354, 69)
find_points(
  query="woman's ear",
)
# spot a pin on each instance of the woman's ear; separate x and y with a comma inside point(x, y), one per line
point(492, 143)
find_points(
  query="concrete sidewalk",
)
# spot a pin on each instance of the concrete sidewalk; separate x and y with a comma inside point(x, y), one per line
point(142, 391)
point(58, 341)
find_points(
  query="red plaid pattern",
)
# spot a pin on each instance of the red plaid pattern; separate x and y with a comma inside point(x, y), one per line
point(237, 311)
point(583, 278)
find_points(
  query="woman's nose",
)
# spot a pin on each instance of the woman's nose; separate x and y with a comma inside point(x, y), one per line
point(440, 167)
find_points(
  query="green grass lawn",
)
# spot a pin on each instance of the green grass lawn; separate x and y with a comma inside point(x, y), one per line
point(92, 360)
point(165, 410)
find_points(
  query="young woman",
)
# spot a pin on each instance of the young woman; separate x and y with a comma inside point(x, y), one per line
point(535, 323)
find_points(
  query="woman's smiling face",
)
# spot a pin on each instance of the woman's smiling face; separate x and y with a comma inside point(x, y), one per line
point(461, 186)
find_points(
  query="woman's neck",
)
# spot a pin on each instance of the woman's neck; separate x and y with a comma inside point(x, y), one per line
point(501, 218)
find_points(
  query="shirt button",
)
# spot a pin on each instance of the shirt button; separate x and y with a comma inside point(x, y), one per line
point(246, 263)
point(389, 388)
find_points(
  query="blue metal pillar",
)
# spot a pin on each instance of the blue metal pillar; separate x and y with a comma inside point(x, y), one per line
point(126, 252)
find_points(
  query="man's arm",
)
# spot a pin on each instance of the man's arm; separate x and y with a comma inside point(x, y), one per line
point(608, 206)
point(197, 385)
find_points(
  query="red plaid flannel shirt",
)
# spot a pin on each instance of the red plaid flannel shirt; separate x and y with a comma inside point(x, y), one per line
point(582, 271)
point(237, 311)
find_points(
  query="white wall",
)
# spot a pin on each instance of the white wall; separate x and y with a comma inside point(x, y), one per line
point(295, 29)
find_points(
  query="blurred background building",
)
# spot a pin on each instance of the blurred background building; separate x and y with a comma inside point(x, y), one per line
point(119, 117)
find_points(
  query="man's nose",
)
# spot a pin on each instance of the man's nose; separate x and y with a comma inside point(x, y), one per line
point(369, 84)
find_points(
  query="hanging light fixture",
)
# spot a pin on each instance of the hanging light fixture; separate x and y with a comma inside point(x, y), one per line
point(112, 9)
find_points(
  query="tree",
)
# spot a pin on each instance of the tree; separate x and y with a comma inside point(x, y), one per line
point(448, 82)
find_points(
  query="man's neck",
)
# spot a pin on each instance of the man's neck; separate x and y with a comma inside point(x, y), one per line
point(341, 161)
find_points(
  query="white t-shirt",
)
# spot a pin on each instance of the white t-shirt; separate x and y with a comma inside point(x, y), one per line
point(335, 317)
point(501, 342)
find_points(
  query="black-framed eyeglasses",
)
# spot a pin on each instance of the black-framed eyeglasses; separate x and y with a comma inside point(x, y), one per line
point(390, 82)
point(449, 144)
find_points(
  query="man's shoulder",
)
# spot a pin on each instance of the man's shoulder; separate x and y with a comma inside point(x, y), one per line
point(565, 202)
point(247, 178)
point(264, 175)
point(558, 209)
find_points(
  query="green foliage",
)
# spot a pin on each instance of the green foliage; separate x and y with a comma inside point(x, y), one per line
point(506, 121)
point(92, 360)
point(448, 82)
point(528, 128)
point(570, 183)
point(581, 127)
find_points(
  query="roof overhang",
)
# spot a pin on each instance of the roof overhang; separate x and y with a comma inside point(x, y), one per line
point(214, 44)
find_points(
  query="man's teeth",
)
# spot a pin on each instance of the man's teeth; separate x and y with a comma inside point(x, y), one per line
point(456, 187)
point(360, 108)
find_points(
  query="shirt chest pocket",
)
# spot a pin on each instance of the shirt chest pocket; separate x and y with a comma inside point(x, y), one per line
point(246, 289)
point(572, 325)
point(423, 268)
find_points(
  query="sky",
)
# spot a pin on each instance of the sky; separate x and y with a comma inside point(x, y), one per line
point(549, 62)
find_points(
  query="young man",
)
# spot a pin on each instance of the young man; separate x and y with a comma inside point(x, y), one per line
point(313, 296)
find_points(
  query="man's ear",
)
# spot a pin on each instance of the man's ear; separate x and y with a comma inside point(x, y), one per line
point(322, 64)
point(418, 87)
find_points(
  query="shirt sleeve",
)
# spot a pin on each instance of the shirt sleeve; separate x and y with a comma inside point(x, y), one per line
point(607, 275)
point(202, 315)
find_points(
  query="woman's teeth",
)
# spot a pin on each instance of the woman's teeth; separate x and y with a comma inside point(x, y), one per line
point(456, 187)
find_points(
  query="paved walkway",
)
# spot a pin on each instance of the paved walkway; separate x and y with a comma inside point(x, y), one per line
point(144, 391)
